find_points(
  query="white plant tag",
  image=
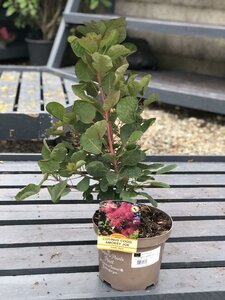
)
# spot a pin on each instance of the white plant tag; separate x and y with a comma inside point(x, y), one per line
point(144, 259)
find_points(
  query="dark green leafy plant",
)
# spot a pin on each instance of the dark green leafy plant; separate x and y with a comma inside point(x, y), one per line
point(101, 153)
point(37, 14)
point(93, 4)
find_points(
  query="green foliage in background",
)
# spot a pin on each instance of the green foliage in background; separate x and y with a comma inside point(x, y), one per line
point(37, 14)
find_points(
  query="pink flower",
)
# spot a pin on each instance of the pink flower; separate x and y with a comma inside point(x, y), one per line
point(122, 217)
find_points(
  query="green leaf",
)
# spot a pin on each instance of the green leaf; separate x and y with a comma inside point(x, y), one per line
point(132, 47)
point(79, 155)
point(136, 87)
point(126, 131)
point(112, 178)
point(78, 50)
point(146, 195)
point(83, 185)
point(110, 38)
point(85, 111)
point(150, 100)
point(107, 3)
point(160, 184)
point(48, 166)
point(120, 25)
point(144, 82)
point(133, 157)
point(68, 145)
point(45, 151)
point(91, 140)
point(117, 51)
point(96, 169)
point(90, 42)
point(80, 163)
point(128, 195)
point(166, 169)
point(93, 4)
point(27, 191)
point(119, 186)
point(58, 152)
point(98, 27)
point(101, 63)
point(79, 91)
point(83, 71)
point(136, 135)
point(108, 195)
point(69, 118)
point(119, 74)
point(126, 109)
point(103, 184)
point(57, 190)
point(108, 82)
point(108, 157)
point(147, 123)
point(150, 166)
point(132, 172)
point(111, 100)
point(56, 109)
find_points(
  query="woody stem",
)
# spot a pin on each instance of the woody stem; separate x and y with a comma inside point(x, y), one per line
point(109, 125)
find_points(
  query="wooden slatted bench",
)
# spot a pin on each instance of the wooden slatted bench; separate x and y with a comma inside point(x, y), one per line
point(48, 251)
point(24, 93)
point(195, 91)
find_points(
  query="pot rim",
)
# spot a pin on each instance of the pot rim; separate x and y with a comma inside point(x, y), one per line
point(38, 41)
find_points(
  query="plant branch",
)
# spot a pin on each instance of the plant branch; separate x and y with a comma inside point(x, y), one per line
point(109, 125)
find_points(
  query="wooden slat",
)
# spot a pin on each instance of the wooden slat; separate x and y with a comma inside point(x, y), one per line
point(88, 286)
point(13, 234)
point(87, 255)
point(206, 167)
point(8, 89)
point(71, 96)
point(30, 93)
point(80, 211)
point(174, 180)
point(52, 88)
point(194, 194)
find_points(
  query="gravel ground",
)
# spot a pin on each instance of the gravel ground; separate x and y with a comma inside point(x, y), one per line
point(184, 131)
point(176, 131)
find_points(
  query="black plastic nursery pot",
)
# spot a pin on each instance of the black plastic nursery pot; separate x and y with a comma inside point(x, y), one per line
point(134, 271)
point(39, 51)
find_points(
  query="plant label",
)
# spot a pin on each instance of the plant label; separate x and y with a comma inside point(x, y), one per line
point(144, 259)
point(118, 226)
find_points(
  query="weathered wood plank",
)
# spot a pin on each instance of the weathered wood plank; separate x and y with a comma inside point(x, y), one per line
point(71, 96)
point(86, 255)
point(14, 234)
point(88, 286)
point(12, 180)
point(30, 93)
point(168, 158)
point(80, 211)
point(8, 89)
point(194, 194)
point(19, 166)
point(52, 88)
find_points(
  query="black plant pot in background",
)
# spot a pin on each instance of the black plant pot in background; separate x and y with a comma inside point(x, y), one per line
point(39, 51)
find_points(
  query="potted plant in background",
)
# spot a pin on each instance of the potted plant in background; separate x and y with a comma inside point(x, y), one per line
point(42, 19)
point(99, 150)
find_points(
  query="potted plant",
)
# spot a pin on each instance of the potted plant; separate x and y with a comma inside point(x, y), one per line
point(99, 151)
point(42, 19)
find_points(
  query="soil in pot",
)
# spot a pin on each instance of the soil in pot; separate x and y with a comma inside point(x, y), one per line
point(137, 271)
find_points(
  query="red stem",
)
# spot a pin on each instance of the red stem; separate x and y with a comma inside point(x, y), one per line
point(109, 125)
